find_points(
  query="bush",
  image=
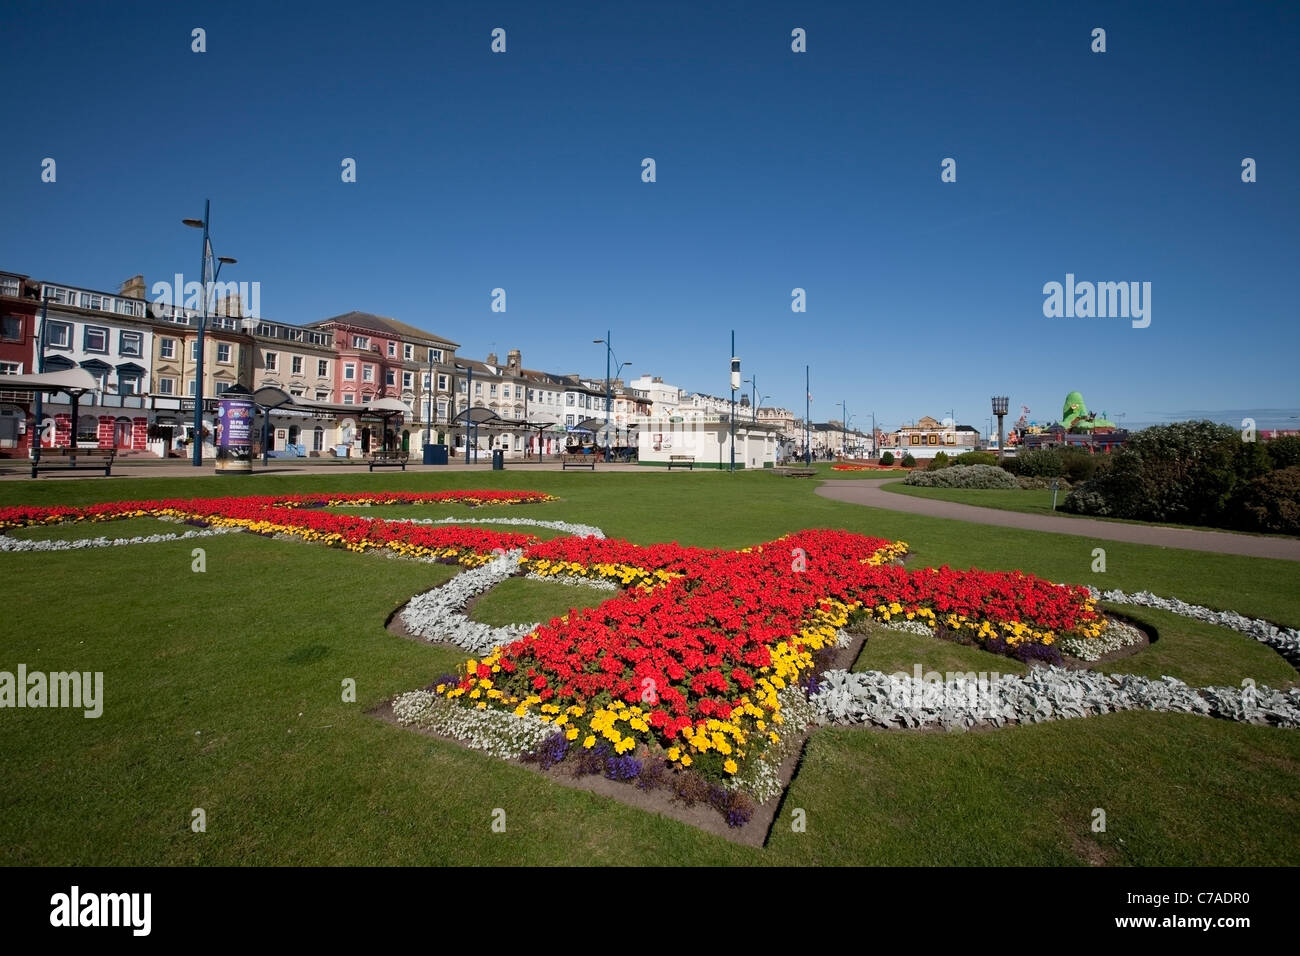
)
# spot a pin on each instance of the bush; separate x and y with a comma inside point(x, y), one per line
point(962, 476)
point(1039, 484)
point(940, 460)
point(1270, 502)
point(1040, 463)
point(909, 461)
point(887, 458)
point(1077, 464)
point(1284, 452)
point(976, 458)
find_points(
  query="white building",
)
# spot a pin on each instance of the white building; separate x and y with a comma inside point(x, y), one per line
point(708, 440)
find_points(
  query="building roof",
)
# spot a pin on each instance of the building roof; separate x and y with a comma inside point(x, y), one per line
point(381, 323)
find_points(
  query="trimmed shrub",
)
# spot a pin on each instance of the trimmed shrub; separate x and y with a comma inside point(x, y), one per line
point(976, 458)
point(908, 461)
point(887, 458)
point(962, 476)
point(1039, 484)
point(940, 460)
point(1040, 463)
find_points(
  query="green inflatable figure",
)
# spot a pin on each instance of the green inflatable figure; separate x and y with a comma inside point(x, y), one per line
point(1075, 416)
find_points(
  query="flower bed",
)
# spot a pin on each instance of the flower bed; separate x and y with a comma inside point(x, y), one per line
point(687, 665)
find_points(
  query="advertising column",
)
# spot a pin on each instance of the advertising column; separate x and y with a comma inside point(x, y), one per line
point(235, 432)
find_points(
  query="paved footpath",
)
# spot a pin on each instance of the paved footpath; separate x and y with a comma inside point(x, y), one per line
point(870, 493)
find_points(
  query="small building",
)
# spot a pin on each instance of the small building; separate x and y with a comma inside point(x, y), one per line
point(707, 438)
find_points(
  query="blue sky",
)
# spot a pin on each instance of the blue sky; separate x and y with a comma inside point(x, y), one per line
point(775, 170)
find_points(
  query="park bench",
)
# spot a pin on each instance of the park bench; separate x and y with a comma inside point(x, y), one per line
point(679, 460)
point(71, 459)
point(384, 459)
point(577, 461)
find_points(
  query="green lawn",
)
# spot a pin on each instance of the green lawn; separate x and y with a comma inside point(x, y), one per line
point(521, 601)
point(126, 528)
point(222, 691)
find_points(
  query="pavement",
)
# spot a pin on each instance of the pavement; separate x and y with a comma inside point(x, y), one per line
point(870, 493)
point(147, 466)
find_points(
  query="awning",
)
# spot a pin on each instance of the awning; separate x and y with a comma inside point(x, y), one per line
point(71, 380)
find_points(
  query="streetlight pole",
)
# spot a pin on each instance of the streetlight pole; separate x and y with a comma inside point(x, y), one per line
point(207, 266)
point(469, 405)
point(40, 370)
point(608, 342)
point(807, 413)
point(1000, 410)
point(735, 384)
point(428, 402)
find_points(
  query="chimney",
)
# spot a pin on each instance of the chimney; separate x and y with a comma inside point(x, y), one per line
point(133, 288)
point(231, 306)
point(514, 358)
point(491, 359)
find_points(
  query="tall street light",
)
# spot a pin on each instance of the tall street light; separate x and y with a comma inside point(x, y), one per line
point(40, 370)
point(807, 421)
point(735, 384)
point(210, 269)
point(844, 420)
point(1000, 410)
point(608, 342)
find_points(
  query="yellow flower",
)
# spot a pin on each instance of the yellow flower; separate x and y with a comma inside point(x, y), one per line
point(571, 733)
point(686, 760)
point(589, 742)
point(674, 753)
point(730, 766)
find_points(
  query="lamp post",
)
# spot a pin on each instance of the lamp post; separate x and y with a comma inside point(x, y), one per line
point(469, 405)
point(735, 384)
point(844, 430)
point(210, 264)
point(874, 448)
point(608, 342)
point(40, 370)
point(428, 402)
point(807, 412)
point(1000, 410)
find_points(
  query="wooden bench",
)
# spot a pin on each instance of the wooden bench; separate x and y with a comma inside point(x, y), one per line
point(578, 461)
point(679, 460)
point(384, 459)
point(66, 459)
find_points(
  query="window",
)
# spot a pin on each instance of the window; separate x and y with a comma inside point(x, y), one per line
point(89, 301)
point(297, 392)
point(442, 383)
point(223, 353)
point(96, 339)
point(349, 399)
point(463, 387)
point(492, 390)
point(190, 386)
point(167, 348)
point(317, 438)
point(408, 378)
point(435, 355)
point(392, 349)
point(408, 352)
point(87, 428)
point(568, 419)
point(530, 395)
point(272, 361)
point(478, 388)
point(349, 371)
point(568, 398)
point(367, 373)
point(295, 365)
point(322, 368)
point(194, 351)
point(390, 377)
point(11, 368)
point(166, 386)
point(322, 395)
point(222, 386)
point(12, 328)
point(360, 342)
point(131, 343)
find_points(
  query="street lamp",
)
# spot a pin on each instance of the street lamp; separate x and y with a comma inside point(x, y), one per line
point(214, 267)
point(607, 341)
point(735, 384)
point(1000, 410)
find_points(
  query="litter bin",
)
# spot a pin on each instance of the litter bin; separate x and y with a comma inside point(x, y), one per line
point(498, 459)
point(435, 454)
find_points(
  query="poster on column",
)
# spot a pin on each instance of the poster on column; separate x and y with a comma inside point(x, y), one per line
point(235, 424)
